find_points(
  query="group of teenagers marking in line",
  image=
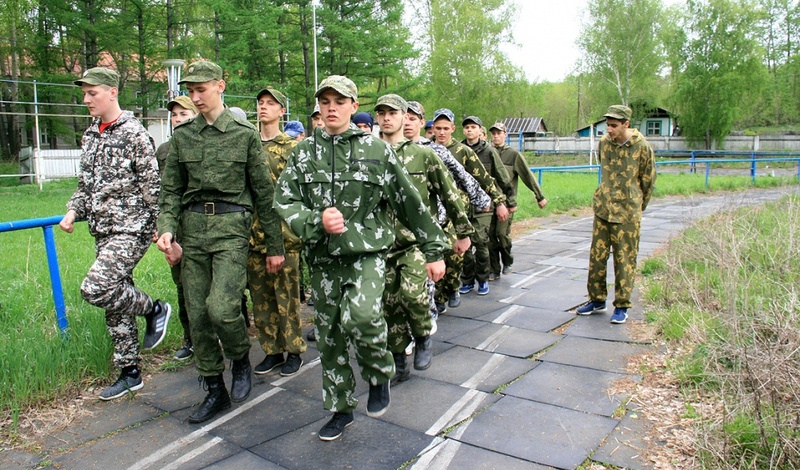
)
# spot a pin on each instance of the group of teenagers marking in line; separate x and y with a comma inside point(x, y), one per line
point(394, 228)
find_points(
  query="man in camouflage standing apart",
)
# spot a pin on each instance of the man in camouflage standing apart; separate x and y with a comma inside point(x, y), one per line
point(215, 177)
point(117, 192)
point(276, 297)
point(406, 301)
point(500, 231)
point(628, 175)
point(338, 192)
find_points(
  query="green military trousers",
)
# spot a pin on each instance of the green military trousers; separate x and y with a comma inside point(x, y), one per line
point(623, 240)
point(476, 266)
point(214, 276)
point(406, 301)
point(348, 293)
point(500, 243)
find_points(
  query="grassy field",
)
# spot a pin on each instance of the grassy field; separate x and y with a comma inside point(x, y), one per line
point(38, 366)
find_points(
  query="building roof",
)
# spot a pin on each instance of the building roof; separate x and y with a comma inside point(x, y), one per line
point(524, 125)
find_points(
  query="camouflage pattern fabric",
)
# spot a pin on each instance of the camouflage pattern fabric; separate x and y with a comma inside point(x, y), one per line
point(500, 243)
point(464, 181)
point(476, 259)
point(109, 285)
point(623, 240)
point(118, 184)
point(467, 158)
point(492, 163)
point(452, 276)
point(406, 301)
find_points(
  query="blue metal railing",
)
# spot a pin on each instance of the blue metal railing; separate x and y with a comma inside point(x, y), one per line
point(46, 223)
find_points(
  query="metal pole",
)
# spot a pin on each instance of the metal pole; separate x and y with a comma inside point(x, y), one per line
point(314, 20)
point(37, 152)
point(55, 279)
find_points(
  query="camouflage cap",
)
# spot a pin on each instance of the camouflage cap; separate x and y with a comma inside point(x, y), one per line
point(316, 110)
point(472, 120)
point(392, 101)
point(341, 84)
point(279, 97)
point(444, 113)
point(99, 76)
point(202, 71)
point(416, 108)
point(184, 102)
point(619, 112)
point(499, 126)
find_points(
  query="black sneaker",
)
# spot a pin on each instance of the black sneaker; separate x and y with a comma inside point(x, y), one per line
point(333, 429)
point(378, 401)
point(124, 384)
point(441, 308)
point(185, 352)
point(507, 269)
point(292, 365)
point(157, 321)
point(312, 335)
point(270, 362)
point(454, 300)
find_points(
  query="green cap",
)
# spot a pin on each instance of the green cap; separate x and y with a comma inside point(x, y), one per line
point(184, 102)
point(279, 97)
point(202, 71)
point(499, 126)
point(619, 112)
point(472, 120)
point(392, 101)
point(343, 85)
point(99, 76)
point(416, 108)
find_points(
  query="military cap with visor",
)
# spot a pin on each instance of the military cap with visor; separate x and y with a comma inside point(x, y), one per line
point(416, 108)
point(184, 102)
point(279, 97)
point(202, 71)
point(619, 112)
point(339, 83)
point(472, 120)
point(499, 126)
point(444, 113)
point(392, 101)
point(99, 76)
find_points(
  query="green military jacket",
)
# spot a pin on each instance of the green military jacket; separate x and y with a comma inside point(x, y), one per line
point(277, 151)
point(517, 169)
point(360, 176)
point(628, 175)
point(491, 161)
point(467, 158)
point(220, 162)
point(434, 183)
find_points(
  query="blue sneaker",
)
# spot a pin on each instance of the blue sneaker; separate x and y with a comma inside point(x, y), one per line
point(466, 288)
point(591, 307)
point(483, 287)
point(619, 316)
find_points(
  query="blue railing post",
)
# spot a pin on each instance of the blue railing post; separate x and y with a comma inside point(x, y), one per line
point(753, 167)
point(692, 168)
point(521, 140)
point(708, 172)
point(55, 279)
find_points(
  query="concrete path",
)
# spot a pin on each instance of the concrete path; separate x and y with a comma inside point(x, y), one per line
point(517, 382)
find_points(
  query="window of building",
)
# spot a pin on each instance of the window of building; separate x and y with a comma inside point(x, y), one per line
point(653, 127)
point(44, 136)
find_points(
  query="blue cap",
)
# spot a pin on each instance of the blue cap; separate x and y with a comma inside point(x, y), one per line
point(293, 128)
point(363, 118)
point(428, 124)
point(444, 113)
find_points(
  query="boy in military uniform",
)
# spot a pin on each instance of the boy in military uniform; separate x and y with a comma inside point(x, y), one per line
point(216, 175)
point(628, 175)
point(338, 192)
point(276, 296)
point(117, 193)
point(500, 231)
point(180, 109)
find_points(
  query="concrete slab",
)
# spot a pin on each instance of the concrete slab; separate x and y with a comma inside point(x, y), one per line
point(366, 444)
point(245, 460)
point(543, 433)
point(507, 340)
point(551, 287)
point(556, 303)
point(598, 326)
point(453, 454)
point(528, 318)
point(566, 261)
point(450, 326)
point(576, 388)
point(542, 247)
point(625, 446)
point(13, 459)
point(431, 406)
point(173, 390)
point(471, 368)
point(592, 353)
point(474, 305)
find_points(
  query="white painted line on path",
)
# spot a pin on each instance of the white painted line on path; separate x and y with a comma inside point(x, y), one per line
point(460, 410)
point(493, 363)
point(494, 339)
point(191, 455)
point(439, 457)
point(510, 312)
point(314, 362)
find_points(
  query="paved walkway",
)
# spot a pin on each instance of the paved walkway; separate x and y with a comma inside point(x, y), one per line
point(517, 383)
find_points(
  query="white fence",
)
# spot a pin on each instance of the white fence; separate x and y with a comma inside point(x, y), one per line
point(51, 164)
point(762, 143)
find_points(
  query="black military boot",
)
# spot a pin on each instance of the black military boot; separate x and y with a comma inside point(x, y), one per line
point(423, 352)
point(401, 372)
point(216, 400)
point(242, 382)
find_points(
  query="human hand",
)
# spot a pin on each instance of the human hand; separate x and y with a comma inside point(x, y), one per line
point(333, 221)
point(67, 224)
point(275, 263)
point(462, 245)
point(436, 270)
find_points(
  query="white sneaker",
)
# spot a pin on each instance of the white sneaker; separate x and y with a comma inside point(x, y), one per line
point(410, 348)
point(433, 326)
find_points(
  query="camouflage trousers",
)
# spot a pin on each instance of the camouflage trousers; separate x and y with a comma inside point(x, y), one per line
point(109, 285)
point(348, 296)
point(214, 265)
point(406, 301)
point(623, 240)
point(183, 314)
point(476, 259)
point(500, 244)
point(276, 303)
point(452, 275)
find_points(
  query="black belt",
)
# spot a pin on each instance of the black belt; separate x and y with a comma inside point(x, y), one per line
point(214, 208)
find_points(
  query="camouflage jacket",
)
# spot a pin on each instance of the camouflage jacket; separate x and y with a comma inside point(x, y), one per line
point(517, 169)
point(435, 185)
point(277, 150)
point(467, 158)
point(220, 162)
point(161, 156)
point(360, 176)
point(491, 161)
point(628, 176)
point(465, 182)
point(118, 185)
